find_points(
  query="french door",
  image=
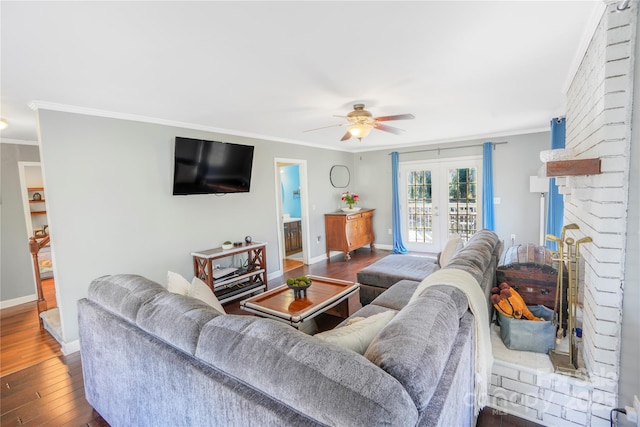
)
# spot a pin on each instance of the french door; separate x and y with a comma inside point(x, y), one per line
point(439, 199)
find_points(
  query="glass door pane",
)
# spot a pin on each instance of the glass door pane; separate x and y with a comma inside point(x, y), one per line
point(419, 207)
point(463, 202)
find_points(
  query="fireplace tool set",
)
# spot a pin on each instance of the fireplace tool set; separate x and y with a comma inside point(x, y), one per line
point(567, 362)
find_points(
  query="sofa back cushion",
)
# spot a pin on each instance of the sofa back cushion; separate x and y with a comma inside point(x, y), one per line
point(328, 383)
point(123, 294)
point(176, 319)
point(480, 258)
point(415, 346)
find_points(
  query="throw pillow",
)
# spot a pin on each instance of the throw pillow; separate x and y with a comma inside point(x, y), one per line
point(201, 291)
point(357, 336)
point(453, 245)
point(177, 284)
point(354, 320)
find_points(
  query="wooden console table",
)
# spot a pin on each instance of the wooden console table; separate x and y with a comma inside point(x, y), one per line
point(247, 280)
point(347, 231)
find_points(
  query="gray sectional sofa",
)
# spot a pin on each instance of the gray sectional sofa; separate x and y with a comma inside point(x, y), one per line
point(382, 274)
point(379, 276)
point(153, 358)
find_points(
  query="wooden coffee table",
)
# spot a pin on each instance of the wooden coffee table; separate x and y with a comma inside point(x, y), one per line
point(325, 295)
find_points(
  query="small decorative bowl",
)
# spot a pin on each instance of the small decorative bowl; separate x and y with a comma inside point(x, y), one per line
point(299, 291)
point(227, 247)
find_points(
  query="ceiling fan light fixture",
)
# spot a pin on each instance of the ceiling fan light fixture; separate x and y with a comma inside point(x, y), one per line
point(360, 130)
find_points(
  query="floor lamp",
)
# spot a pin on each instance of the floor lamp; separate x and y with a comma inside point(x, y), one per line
point(540, 185)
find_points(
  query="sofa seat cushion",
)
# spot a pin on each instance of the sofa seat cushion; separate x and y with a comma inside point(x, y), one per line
point(123, 294)
point(395, 267)
point(314, 377)
point(415, 346)
point(176, 319)
point(397, 296)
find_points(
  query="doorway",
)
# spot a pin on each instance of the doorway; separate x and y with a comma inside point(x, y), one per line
point(34, 199)
point(439, 199)
point(291, 195)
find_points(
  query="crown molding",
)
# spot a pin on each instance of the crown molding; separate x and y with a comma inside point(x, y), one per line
point(589, 31)
point(44, 105)
point(18, 141)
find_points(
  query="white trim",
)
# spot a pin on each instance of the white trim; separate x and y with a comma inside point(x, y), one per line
point(383, 247)
point(480, 137)
point(44, 105)
point(587, 36)
point(18, 141)
point(304, 207)
point(17, 301)
point(27, 209)
point(439, 195)
point(274, 275)
point(25, 194)
point(70, 347)
point(317, 259)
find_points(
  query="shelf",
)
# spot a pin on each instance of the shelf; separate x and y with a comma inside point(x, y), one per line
point(573, 167)
point(35, 188)
point(238, 291)
point(240, 283)
point(237, 278)
point(39, 213)
point(36, 201)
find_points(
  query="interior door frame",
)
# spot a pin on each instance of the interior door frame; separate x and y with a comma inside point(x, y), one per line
point(304, 207)
point(440, 167)
point(22, 175)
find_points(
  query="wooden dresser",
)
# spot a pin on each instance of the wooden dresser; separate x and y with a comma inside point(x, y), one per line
point(347, 231)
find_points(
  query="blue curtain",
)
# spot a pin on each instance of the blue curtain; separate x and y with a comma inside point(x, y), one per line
point(488, 220)
point(555, 207)
point(398, 246)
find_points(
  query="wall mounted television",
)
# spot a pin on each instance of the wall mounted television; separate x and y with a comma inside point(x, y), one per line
point(211, 167)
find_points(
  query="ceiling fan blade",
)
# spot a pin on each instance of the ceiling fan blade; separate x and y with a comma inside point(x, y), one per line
point(391, 129)
point(325, 127)
point(396, 117)
point(346, 136)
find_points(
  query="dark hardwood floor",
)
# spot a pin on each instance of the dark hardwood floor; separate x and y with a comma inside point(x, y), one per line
point(42, 387)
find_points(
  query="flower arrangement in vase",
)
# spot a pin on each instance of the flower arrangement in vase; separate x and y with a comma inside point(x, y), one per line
point(350, 199)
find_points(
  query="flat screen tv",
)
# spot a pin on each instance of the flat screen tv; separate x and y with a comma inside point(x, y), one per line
point(205, 167)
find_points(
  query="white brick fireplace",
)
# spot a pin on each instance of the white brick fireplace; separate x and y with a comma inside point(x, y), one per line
point(599, 113)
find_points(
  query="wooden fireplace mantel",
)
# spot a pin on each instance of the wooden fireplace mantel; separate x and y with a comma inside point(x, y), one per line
point(573, 167)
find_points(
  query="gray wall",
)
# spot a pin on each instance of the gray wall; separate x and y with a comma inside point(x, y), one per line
point(629, 384)
point(16, 273)
point(513, 163)
point(111, 209)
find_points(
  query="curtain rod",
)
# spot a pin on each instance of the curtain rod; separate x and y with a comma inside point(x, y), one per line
point(450, 148)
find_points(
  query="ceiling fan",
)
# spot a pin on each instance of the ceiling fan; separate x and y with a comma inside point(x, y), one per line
point(361, 122)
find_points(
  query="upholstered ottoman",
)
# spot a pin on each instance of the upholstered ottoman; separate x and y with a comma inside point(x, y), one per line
point(379, 276)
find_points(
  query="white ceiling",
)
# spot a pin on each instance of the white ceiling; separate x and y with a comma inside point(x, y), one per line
point(465, 69)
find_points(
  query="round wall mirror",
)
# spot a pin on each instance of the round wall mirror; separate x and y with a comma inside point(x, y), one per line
point(339, 176)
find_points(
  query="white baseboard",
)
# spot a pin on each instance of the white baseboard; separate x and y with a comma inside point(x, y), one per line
point(318, 259)
point(384, 247)
point(70, 347)
point(18, 301)
point(274, 275)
